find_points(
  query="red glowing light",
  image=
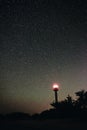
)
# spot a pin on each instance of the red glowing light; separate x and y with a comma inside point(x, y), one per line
point(55, 87)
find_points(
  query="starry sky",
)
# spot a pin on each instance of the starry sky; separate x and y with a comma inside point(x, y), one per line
point(41, 42)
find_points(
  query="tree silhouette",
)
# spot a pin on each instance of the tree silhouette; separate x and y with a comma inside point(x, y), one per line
point(68, 102)
point(72, 108)
point(82, 99)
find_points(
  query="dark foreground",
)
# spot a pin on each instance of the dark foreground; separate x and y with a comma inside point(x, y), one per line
point(54, 124)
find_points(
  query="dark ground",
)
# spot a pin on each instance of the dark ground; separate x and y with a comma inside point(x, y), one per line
point(54, 124)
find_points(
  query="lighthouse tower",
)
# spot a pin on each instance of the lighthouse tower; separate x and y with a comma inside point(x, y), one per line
point(55, 89)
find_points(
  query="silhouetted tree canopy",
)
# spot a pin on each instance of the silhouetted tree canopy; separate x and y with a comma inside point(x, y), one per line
point(72, 108)
point(18, 115)
point(82, 99)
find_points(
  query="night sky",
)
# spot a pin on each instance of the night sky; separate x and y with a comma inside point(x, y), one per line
point(41, 42)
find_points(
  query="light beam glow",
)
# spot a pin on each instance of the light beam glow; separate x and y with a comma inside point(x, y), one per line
point(55, 87)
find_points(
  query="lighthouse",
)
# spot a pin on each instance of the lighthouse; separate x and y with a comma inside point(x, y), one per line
point(55, 89)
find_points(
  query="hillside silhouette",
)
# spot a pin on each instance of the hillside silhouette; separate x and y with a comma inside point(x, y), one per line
point(68, 108)
point(67, 114)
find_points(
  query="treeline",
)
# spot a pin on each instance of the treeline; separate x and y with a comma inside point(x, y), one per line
point(15, 116)
point(68, 108)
